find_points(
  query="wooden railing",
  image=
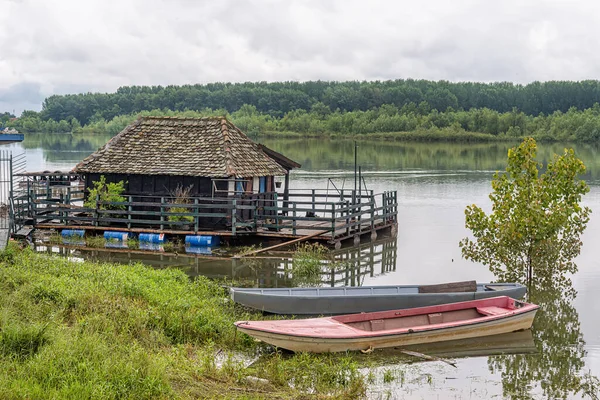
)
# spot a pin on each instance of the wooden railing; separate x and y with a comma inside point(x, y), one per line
point(346, 214)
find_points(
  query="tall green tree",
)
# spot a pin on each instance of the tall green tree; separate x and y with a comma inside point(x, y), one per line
point(535, 226)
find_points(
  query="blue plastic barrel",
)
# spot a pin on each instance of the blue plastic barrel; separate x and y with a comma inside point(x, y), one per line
point(114, 235)
point(72, 233)
point(152, 237)
point(202, 240)
point(198, 250)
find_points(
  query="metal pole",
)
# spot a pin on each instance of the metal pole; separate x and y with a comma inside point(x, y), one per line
point(355, 164)
point(10, 171)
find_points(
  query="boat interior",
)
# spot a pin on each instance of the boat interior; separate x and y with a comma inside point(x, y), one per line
point(452, 287)
point(400, 321)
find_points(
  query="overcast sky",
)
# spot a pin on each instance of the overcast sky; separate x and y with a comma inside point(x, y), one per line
point(71, 46)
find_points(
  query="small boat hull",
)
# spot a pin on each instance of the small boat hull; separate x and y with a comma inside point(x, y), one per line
point(338, 334)
point(350, 300)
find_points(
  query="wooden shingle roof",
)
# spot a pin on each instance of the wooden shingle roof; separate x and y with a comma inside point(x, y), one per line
point(208, 147)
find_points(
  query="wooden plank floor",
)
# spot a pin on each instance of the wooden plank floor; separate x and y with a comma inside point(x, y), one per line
point(315, 227)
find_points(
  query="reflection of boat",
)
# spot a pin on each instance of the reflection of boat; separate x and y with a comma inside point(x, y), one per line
point(520, 342)
point(393, 328)
point(349, 300)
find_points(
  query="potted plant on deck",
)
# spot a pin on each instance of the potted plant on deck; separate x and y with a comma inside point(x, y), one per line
point(181, 195)
point(103, 195)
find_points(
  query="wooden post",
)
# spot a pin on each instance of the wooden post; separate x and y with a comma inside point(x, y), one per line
point(347, 206)
point(286, 190)
point(359, 198)
point(196, 217)
point(313, 201)
point(233, 216)
point(294, 219)
point(96, 210)
point(33, 206)
point(332, 220)
point(359, 218)
point(68, 202)
point(276, 202)
point(61, 214)
point(162, 211)
point(372, 200)
point(129, 209)
point(256, 203)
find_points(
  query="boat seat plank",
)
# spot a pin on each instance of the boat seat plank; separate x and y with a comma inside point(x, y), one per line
point(377, 325)
point(436, 318)
point(452, 287)
point(492, 310)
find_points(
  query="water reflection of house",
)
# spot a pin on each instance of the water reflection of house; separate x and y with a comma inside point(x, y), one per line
point(353, 263)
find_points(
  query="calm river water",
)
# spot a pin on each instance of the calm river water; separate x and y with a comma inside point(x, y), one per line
point(435, 181)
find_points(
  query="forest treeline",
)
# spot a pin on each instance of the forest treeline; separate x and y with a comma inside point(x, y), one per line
point(556, 110)
point(573, 125)
point(277, 99)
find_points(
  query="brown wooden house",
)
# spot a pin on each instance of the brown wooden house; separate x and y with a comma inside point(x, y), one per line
point(211, 156)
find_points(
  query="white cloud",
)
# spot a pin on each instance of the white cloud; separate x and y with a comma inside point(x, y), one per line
point(98, 45)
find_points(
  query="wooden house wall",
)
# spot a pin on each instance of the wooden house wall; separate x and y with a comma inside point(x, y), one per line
point(158, 185)
point(165, 185)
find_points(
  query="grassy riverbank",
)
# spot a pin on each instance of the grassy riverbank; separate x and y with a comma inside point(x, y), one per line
point(431, 135)
point(82, 330)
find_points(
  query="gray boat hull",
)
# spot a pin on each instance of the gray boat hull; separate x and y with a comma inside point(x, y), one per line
point(341, 300)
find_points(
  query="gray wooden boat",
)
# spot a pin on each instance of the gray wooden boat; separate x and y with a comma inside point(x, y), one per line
point(350, 300)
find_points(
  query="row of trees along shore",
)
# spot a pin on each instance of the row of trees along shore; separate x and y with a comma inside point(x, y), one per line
point(548, 111)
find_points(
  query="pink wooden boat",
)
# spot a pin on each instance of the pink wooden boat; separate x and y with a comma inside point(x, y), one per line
point(468, 319)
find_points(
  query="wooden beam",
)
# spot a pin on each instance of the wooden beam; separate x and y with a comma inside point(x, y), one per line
point(281, 244)
point(453, 287)
point(136, 230)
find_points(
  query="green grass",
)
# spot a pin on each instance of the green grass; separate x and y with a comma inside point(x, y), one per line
point(71, 330)
point(95, 241)
point(310, 262)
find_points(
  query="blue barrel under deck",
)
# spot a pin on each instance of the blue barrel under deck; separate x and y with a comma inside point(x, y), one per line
point(72, 233)
point(115, 235)
point(202, 240)
point(157, 238)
